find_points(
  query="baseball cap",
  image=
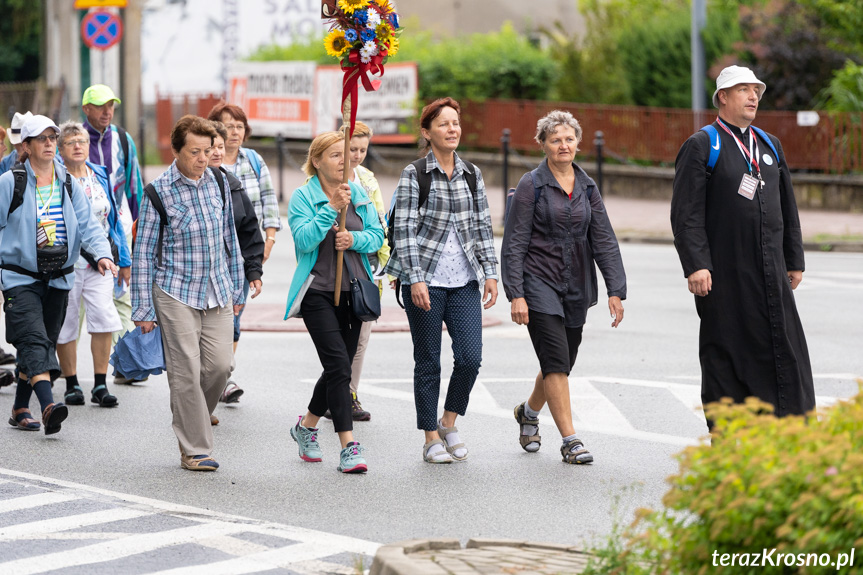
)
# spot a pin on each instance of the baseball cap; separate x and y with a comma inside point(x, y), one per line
point(733, 75)
point(36, 125)
point(98, 94)
point(18, 121)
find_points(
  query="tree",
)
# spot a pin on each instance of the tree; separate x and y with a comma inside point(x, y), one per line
point(20, 33)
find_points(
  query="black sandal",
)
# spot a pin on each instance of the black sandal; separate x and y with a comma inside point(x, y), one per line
point(104, 399)
point(53, 416)
point(74, 396)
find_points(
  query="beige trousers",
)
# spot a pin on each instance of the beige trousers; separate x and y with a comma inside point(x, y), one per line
point(357, 365)
point(198, 360)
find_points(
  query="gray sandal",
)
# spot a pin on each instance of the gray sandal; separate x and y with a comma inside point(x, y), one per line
point(523, 438)
point(580, 455)
point(443, 432)
point(439, 457)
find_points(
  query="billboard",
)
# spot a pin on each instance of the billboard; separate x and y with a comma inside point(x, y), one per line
point(301, 99)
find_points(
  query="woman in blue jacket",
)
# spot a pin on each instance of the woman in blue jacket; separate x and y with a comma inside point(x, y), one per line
point(45, 220)
point(96, 290)
point(313, 217)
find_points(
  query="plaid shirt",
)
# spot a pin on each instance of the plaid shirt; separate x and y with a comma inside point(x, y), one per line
point(199, 246)
point(260, 190)
point(421, 232)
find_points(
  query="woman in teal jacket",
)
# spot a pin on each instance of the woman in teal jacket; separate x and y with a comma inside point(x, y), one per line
point(313, 218)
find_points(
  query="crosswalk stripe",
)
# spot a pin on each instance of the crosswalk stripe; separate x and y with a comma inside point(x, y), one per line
point(593, 407)
point(118, 549)
point(35, 500)
point(22, 530)
point(272, 559)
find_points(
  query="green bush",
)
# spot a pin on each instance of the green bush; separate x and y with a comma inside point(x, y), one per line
point(794, 484)
point(500, 64)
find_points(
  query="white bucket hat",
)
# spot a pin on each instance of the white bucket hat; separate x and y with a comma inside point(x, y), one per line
point(18, 121)
point(733, 75)
point(36, 125)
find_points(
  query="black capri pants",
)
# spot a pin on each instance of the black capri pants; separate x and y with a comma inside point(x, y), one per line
point(34, 316)
point(556, 345)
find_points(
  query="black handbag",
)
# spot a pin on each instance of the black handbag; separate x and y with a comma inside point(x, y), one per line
point(50, 259)
point(365, 296)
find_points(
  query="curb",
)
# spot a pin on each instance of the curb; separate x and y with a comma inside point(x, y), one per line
point(444, 556)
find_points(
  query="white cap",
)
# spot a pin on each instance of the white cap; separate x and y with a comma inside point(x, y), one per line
point(733, 75)
point(36, 125)
point(18, 121)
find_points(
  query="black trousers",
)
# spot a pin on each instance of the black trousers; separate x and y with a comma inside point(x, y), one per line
point(335, 332)
point(34, 316)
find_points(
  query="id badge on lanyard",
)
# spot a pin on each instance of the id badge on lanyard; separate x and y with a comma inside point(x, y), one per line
point(749, 184)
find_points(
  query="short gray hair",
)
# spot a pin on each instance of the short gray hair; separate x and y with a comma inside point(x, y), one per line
point(546, 125)
point(70, 128)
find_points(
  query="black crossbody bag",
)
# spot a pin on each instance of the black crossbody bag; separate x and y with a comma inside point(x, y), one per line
point(365, 296)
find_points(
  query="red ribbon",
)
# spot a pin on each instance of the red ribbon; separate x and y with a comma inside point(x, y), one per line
point(360, 72)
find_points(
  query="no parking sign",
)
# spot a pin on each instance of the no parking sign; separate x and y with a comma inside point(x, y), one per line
point(101, 30)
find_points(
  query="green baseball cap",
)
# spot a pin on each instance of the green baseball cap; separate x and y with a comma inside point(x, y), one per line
point(98, 94)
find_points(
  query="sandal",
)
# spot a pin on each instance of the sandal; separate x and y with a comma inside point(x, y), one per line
point(451, 449)
point(74, 396)
point(231, 394)
point(53, 416)
point(573, 451)
point(198, 463)
point(23, 419)
point(439, 457)
point(523, 438)
point(103, 399)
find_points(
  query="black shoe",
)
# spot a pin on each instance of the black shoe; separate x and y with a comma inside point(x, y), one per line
point(7, 377)
point(6, 358)
point(357, 411)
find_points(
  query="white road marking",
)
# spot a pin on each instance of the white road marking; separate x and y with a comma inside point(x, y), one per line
point(303, 547)
point(35, 500)
point(23, 530)
point(593, 407)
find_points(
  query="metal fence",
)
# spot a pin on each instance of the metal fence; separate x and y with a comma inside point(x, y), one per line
point(30, 96)
point(834, 144)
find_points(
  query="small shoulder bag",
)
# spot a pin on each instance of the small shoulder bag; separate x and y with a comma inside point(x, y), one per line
point(365, 296)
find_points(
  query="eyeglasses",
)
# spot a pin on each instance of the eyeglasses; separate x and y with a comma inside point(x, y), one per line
point(235, 127)
point(41, 138)
point(73, 143)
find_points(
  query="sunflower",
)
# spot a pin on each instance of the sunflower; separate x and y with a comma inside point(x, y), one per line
point(394, 47)
point(385, 6)
point(336, 44)
point(350, 6)
point(384, 32)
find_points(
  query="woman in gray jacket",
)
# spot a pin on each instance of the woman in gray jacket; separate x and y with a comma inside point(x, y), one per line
point(556, 229)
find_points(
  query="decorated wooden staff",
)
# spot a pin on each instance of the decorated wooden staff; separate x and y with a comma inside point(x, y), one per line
point(363, 35)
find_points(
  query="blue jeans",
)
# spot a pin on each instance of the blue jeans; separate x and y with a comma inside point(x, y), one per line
point(461, 310)
point(239, 315)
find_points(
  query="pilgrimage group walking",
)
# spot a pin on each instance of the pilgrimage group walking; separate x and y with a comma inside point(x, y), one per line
point(83, 241)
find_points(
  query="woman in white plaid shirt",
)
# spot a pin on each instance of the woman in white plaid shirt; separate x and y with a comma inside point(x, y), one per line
point(444, 249)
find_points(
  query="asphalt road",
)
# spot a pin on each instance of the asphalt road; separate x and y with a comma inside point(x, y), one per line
point(634, 394)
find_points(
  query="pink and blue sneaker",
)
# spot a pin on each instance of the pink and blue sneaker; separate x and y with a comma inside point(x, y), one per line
point(351, 459)
point(307, 440)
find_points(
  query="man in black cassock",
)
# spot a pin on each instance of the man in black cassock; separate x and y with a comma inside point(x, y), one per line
point(737, 232)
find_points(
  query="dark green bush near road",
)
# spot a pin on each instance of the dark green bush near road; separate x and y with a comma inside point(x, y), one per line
point(793, 484)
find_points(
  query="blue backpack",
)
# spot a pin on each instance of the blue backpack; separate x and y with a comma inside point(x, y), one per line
point(255, 160)
point(713, 134)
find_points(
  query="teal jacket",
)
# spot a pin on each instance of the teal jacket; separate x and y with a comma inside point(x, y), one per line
point(310, 217)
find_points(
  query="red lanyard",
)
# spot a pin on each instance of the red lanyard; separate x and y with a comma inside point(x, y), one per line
point(747, 154)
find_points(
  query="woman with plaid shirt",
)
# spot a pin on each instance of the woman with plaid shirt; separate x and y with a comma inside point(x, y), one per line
point(444, 248)
point(189, 279)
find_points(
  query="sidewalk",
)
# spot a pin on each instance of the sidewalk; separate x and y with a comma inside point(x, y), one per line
point(634, 220)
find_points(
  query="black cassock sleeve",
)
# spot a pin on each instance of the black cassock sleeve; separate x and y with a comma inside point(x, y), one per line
point(792, 240)
point(688, 204)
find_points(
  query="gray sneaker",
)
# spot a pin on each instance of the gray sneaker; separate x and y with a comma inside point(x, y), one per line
point(307, 440)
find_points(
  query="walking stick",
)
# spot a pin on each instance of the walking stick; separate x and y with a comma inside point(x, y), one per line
point(346, 116)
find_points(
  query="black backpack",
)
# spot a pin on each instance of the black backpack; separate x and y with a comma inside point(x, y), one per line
point(536, 193)
point(150, 191)
point(424, 180)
